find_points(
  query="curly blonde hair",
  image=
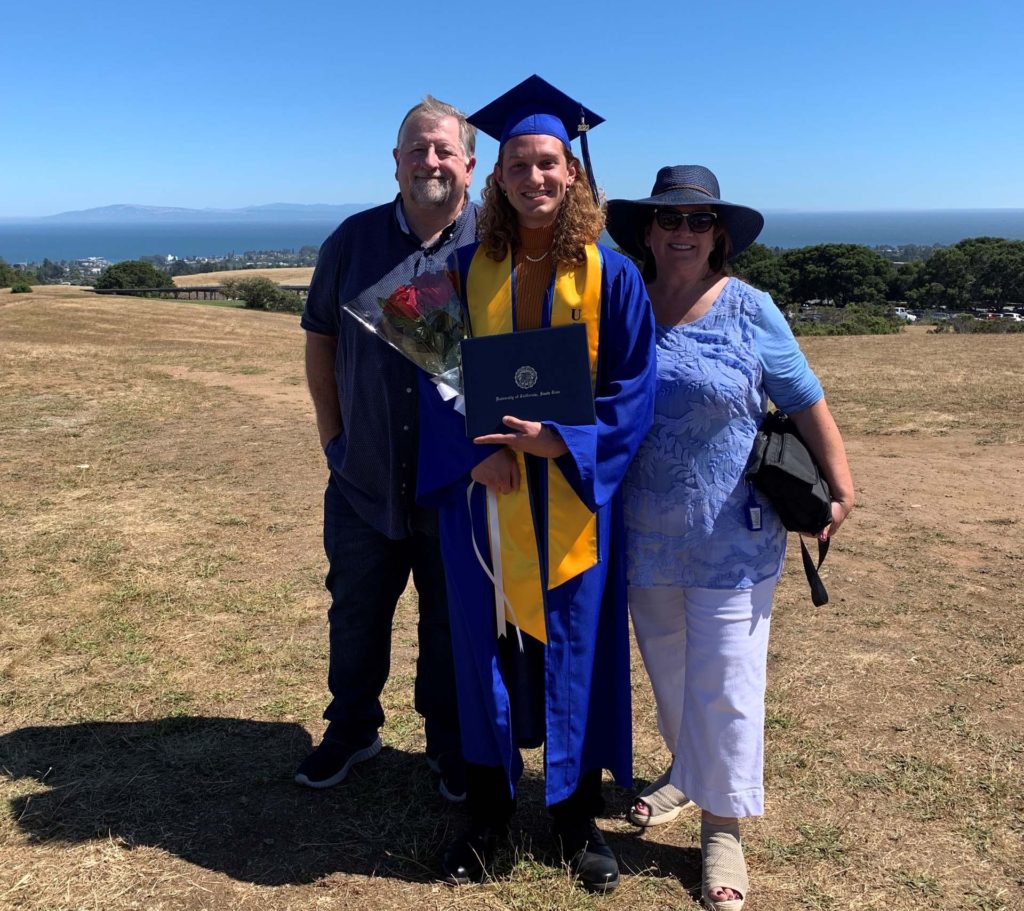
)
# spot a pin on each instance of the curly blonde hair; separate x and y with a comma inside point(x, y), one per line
point(579, 221)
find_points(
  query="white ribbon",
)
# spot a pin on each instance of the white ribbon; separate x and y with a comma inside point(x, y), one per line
point(448, 393)
point(500, 598)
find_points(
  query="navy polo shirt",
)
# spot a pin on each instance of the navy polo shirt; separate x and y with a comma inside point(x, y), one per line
point(367, 257)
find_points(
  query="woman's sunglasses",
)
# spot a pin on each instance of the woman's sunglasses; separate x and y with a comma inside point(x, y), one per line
point(697, 222)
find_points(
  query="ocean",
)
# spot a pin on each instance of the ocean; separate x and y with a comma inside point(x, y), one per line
point(877, 229)
point(32, 241)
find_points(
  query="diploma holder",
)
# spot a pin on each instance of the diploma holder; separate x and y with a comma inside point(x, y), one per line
point(534, 375)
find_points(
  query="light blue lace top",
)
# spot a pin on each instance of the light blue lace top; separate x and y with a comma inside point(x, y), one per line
point(685, 494)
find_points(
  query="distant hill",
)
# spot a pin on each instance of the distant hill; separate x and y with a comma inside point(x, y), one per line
point(266, 214)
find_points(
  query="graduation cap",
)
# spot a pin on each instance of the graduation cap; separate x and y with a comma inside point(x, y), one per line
point(536, 107)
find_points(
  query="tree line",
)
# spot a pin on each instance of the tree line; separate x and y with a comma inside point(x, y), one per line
point(979, 272)
point(16, 279)
point(255, 292)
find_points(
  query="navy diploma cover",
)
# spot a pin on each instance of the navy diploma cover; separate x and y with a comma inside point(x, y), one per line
point(534, 375)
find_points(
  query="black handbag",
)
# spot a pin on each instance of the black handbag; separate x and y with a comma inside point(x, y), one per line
point(783, 469)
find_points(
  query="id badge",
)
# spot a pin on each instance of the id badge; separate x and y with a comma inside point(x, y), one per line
point(752, 510)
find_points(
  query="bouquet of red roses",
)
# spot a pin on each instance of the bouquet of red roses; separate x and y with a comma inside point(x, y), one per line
point(424, 320)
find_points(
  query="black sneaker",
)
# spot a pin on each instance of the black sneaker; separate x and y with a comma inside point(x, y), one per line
point(330, 762)
point(452, 773)
point(587, 854)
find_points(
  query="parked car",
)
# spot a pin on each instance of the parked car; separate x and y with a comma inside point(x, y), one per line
point(904, 314)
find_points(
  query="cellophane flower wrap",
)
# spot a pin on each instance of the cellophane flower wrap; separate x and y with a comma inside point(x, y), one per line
point(424, 320)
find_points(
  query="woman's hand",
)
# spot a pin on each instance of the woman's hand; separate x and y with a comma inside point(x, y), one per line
point(498, 472)
point(530, 437)
point(840, 511)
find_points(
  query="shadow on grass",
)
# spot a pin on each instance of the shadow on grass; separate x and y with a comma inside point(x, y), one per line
point(658, 851)
point(218, 792)
point(652, 852)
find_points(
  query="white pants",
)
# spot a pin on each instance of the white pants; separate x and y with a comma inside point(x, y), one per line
point(706, 652)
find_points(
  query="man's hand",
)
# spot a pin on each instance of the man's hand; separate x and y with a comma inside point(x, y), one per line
point(498, 472)
point(529, 436)
point(321, 351)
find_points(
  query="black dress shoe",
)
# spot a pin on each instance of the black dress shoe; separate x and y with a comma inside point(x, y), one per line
point(586, 852)
point(467, 858)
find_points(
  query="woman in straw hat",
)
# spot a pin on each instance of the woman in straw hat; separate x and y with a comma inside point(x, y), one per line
point(705, 552)
point(560, 675)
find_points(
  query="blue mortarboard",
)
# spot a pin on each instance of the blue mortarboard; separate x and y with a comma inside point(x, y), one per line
point(536, 107)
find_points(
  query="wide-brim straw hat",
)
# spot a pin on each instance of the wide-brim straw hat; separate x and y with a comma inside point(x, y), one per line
point(681, 185)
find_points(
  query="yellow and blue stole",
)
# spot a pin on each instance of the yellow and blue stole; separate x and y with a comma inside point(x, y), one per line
point(571, 526)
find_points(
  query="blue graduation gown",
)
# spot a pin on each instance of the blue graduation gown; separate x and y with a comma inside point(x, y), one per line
point(586, 678)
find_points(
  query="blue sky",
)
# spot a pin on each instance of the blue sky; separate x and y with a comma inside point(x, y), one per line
point(795, 105)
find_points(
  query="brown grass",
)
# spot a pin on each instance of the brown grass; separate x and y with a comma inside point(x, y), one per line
point(289, 275)
point(163, 644)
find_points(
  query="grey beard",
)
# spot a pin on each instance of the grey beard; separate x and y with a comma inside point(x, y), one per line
point(434, 191)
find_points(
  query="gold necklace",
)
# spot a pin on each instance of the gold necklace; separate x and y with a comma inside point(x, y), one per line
point(535, 259)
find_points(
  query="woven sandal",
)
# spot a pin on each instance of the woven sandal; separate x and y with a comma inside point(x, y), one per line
point(664, 802)
point(724, 866)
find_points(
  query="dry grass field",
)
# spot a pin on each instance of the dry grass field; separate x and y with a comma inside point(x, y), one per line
point(298, 275)
point(163, 644)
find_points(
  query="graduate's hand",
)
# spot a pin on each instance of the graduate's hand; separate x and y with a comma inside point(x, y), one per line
point(528, 436)
point(498, 472)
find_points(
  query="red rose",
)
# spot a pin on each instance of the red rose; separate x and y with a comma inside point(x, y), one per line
point(433, 291)
point(403, 302)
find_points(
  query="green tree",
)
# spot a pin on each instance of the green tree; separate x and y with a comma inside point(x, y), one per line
point(945, 281)
point(906, 276)
point(133, 273)
point(50, 272)
point(997, 267)
point(979, 271)
point(763, 268)
point(840, 273)
point(261, 293)
point(9, 276)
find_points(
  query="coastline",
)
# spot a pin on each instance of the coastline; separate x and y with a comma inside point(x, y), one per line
point(32, 240)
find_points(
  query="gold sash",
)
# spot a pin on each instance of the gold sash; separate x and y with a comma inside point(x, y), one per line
point(572, 527)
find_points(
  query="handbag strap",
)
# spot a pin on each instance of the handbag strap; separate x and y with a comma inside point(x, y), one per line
point(819, 595)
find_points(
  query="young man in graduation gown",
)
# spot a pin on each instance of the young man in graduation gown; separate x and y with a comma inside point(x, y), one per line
point(540, 499)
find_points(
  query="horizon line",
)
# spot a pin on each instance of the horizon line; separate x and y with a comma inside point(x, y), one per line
point(766, 210)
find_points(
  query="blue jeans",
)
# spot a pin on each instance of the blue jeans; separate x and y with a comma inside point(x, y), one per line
point(368, 572)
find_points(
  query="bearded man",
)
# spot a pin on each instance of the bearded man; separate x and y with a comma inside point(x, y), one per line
point(365, 398)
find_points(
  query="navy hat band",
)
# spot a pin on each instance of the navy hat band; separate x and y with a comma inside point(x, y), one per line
point(687, 186)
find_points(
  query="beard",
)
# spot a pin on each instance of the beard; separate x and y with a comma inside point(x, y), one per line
point(431, 190)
